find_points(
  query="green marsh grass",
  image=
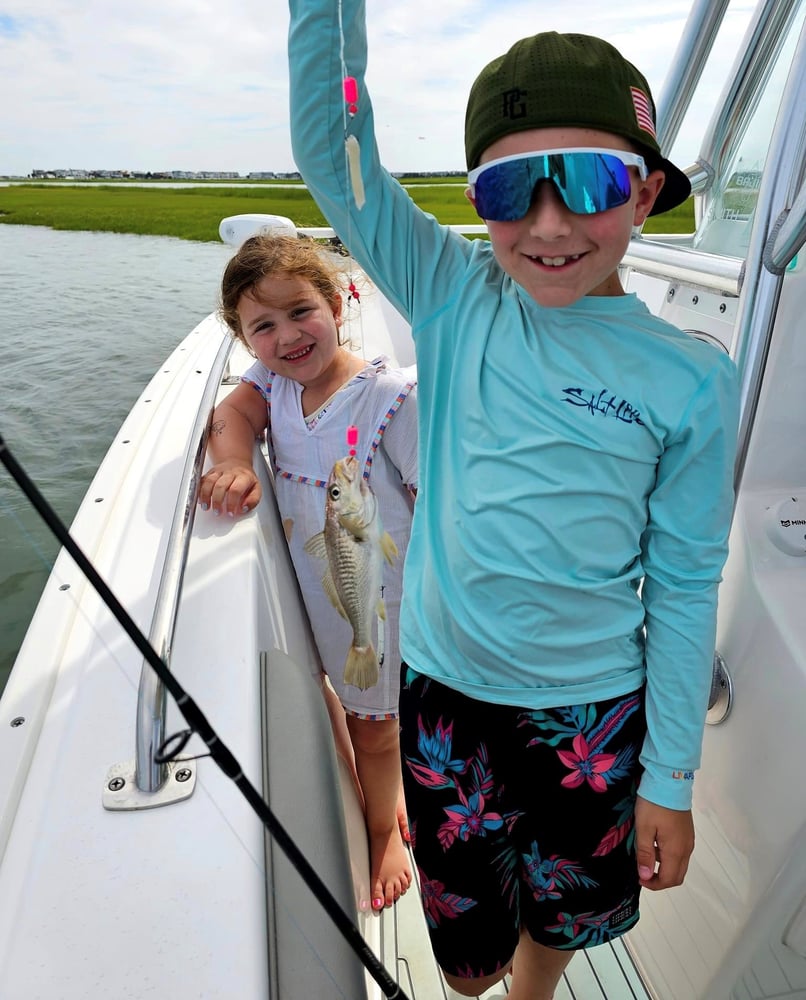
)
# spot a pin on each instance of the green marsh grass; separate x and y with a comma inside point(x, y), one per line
point(195, 213)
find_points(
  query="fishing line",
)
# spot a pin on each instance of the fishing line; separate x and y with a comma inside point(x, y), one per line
point(261, 870)
point(199, 724)
point(352, 163)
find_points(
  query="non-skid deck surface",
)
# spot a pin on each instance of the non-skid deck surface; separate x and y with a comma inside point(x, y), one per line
point(602, 973)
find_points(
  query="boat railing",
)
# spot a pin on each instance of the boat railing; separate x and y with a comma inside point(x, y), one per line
point(763, 40)
point(141, 790)
point(680, 263)
point(699, 34)
point(777, 234)
point(151, 697)
point(652, 256)
point(787, 237)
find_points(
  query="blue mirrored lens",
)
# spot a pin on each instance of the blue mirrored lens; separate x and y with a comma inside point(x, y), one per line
point(586, 182)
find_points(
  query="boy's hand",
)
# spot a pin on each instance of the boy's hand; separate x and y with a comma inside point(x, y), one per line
point(665, 836)
point(230, 488)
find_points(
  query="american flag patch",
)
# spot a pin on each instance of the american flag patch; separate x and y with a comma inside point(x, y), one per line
point(643, 111)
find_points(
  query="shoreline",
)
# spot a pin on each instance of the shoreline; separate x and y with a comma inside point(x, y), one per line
point(193, 212)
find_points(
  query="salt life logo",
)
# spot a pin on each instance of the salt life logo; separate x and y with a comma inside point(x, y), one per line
point(603, 402)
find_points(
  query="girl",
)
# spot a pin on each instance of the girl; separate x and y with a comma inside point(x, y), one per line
point(282, 298)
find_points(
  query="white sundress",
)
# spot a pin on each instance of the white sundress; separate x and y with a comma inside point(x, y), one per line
point(303, 452)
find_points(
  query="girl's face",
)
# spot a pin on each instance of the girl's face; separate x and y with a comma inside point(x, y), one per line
point(291, 327)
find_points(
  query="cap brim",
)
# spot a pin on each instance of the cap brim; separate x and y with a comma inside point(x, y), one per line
point(676, 188)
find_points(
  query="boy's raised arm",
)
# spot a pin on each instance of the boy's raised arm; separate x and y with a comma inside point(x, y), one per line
point(317, 107)
point(397, 244)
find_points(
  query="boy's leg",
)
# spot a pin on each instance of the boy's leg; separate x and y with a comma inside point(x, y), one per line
point(377, 758)
point(536, 970)
point(553, 793)
point(580, 873)
point(468, 872)
point(474, 987)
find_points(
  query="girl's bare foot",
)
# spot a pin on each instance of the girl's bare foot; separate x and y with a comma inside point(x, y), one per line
point(390, 868)
point(376, 744)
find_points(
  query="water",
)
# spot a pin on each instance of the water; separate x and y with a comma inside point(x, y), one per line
point(85, 319)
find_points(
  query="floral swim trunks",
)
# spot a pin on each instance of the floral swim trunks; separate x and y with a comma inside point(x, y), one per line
point(520, 818)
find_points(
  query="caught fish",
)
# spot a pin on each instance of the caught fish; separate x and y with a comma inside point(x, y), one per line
point(355, 545)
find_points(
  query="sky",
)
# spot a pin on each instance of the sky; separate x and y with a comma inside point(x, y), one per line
point(203, 85)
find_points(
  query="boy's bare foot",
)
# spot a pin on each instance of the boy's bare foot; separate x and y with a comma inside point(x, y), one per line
point(390, 868)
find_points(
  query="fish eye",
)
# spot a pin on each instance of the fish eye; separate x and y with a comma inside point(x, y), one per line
point(334, 492)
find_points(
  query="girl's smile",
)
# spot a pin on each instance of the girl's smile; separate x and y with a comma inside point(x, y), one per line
point(300, 355)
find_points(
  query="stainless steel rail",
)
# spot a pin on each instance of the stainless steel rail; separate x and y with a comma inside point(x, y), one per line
point(779, 223)
point(686, 67)
point(763, 40)
point(788, 236)
point(151, 697)
point(782, 182)
point(692, 267)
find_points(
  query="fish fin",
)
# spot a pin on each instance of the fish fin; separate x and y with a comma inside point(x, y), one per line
point(388, 547)
point(315, 546)
point(330, 589)
point(361, 668)
point(380, 610)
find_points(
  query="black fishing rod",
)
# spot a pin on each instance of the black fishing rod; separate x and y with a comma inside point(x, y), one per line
point(198, 723)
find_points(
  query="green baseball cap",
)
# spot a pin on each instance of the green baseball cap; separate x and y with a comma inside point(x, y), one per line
point(572, 80)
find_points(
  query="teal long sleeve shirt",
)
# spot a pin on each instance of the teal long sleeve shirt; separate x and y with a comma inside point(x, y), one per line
point(575, 463)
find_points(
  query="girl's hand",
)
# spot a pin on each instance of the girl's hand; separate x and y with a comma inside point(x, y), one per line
point(230, 488)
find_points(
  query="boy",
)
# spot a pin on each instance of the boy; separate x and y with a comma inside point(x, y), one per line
point(576, 460)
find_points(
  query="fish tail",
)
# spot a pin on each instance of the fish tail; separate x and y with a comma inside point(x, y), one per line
point(361, 668)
